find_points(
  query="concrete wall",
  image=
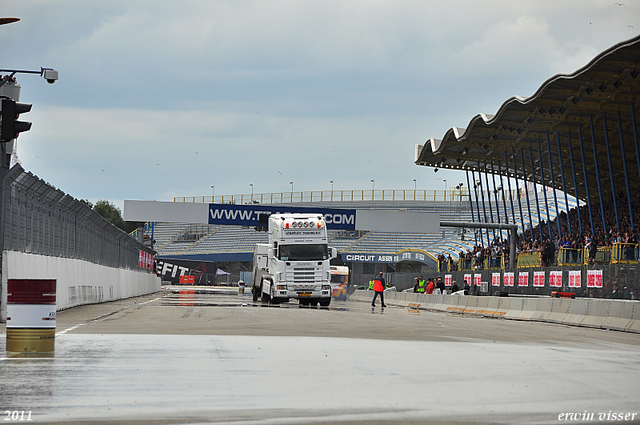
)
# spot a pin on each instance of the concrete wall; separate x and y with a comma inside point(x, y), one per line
point(621, 315)
point(78, 282)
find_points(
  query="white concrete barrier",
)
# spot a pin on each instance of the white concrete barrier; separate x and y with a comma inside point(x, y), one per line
point(620, 315)
point(78, 282)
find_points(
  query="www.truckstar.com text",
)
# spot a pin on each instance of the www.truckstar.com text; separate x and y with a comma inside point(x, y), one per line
point(602, 417)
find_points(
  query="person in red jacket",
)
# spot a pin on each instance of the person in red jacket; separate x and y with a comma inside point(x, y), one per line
point(431, 286)
point(378, 288)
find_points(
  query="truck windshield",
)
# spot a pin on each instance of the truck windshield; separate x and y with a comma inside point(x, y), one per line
point(303, 252)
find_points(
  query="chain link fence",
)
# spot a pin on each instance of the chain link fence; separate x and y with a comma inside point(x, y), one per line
point(40, 219)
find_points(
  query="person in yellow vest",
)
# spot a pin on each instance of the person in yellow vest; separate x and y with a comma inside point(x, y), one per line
point(371, 283)
point(421, 286)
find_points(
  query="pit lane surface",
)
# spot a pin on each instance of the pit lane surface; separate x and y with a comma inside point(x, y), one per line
point(220, 358)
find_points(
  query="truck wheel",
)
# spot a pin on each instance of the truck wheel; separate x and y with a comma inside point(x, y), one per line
point(254, 291)
point(303, 303)
point(265, 298)
point(314, 303)
point(325, 302)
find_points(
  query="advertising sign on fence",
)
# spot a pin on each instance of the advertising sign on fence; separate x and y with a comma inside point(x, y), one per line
point(594, 278)
point(508, 278)
point(477, 279)
point(574, 279)
point(555, 278)
point(495, 279)
point(467, 279)
point(538, 279)
point(523, 279)
point(447, 279)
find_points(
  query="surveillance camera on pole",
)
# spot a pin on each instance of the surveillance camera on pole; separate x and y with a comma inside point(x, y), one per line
point(11, 110)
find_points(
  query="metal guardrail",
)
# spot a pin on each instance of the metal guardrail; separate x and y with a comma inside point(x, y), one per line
point(450, 195)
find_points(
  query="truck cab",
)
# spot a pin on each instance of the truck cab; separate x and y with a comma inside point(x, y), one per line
point(295, 262)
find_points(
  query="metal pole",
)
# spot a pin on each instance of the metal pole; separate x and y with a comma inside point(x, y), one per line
point(624, 166)
point(575, 183)
point(544, 192)
point(595, 161)
point(486, 177)
point(515, 170)
point(613, 188)
point(553, 186)
point(635, 136)
point(586, 181)
point(535, 193)
point(526, 191)
point(471, 205)
point(564, 182)
point(506, 164)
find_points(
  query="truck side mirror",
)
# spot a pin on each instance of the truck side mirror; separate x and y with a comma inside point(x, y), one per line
point(333, 253)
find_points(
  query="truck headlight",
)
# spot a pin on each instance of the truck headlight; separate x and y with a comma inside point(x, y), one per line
point(326, 287)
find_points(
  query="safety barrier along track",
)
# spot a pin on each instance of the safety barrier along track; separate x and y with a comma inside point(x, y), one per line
point(620, 315)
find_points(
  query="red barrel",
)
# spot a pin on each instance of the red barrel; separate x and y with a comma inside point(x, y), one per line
point(31, 316)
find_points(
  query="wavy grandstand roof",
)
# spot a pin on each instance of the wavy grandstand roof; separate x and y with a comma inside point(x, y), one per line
point(593, 111)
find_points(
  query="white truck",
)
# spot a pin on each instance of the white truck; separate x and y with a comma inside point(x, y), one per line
point(295, 262)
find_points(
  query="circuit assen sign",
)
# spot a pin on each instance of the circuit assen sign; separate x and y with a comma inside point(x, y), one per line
point(247, 215)
point(417, 256)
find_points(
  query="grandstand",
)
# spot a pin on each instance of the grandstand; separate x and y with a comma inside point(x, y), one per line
point(570, 145)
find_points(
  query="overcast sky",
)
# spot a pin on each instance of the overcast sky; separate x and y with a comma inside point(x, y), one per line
point(159, 98)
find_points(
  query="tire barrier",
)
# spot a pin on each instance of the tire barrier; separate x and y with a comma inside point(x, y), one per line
point(619, 315)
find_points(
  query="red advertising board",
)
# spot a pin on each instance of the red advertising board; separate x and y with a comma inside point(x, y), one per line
point(187, 280)
point(523, 279)
point(574, 279)
point(508, 279)
point(447, 279)
point(495, 279)
point(477, 279)
point(555, 278)
point(594, 278)
point(538, 279)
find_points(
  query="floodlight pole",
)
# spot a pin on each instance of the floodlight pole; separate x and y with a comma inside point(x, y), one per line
point(513, 228)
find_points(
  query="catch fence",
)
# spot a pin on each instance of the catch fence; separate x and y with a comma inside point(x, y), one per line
point(40, 219)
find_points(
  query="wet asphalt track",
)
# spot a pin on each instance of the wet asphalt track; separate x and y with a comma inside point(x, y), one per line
point(172, 358)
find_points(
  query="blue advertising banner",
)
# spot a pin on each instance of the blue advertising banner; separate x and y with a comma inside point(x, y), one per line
point(247, 215)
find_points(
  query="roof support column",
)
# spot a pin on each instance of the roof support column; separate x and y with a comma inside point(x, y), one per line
point(553, 186)
point(635, 137)
point(515, 171)
point(586, 180)
point(613, 188)
point(595, 161)
point(624, 166)
point(495, 192)
point(504, 201)
point(526, 191)
point(544, 192)
point(486, 178)
point(471, 205)
point(575, 182)
point(564, 182)
point(535, 192)
point(484, 210)
point(506, 164)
